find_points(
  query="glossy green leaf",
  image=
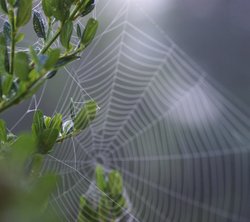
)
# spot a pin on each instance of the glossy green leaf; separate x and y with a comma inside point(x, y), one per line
point(34, 55)
point(47, 121)
point(7, 32)
point(38, 25)
point(119, 207)
point(56, 122)
point(12, 2)
point(47, 140)
point(2, 54)
point(88, 212)
point(88, 8)
point(21, 65)
point(24, 12)
point(104, 208)
point(89, 32)
point(3, 6)
point(91, 107)
point(6, 60)
point(33, 75)
point(81, 120)
point(19, 37)
point(66, 34)
point(47, 6)
point(85, 115)
point(6, 84)
point(51, 74)
point(65, 60)
point(100, 178)
point(53, 57)
point(59, 9)
point(3, 131)
point(78, 31)
point(115, 183)
point(38, 123)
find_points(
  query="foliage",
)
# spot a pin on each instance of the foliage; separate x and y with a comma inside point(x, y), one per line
point(111, 202)
point(23, 72)
point(24, 191)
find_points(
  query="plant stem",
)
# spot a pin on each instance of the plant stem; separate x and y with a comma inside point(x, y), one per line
point(13, 36)
point(51, 41)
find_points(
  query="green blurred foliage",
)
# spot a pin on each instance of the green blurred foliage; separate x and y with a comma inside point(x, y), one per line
point(24, 190)
point(111, 203)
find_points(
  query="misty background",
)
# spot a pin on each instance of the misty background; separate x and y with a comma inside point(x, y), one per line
point(174, 178)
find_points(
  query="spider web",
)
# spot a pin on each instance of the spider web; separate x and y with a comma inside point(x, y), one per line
point(180, 140)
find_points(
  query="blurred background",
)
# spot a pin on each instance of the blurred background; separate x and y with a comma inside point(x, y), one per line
point(172, 81)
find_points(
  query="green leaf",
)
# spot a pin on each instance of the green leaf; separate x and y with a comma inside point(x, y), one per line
point(47, 140)
point(21, 151)
point(91, 107)
point(89, 32)
point(24, 12)
point(104, 208)
point(85, 115)
point(47, 121)
point(87, 212)
point(4, 6)
point(19, 37)
point(47, 7)
point(34, 55)
point(100, 178)
point(38, 25)
point(60, 9)
point(12, 2)
point(115, 183)
point(21, 65)
point(88, 8)
point(38, 123)
point(65, 60)
point(6, 60)
point(51, 74)
point(6, 84)
point(52, 59)
point(2, 54)
point(66, 33)
point(78, 31)
point(3, 131)
point(83, 206)
point(34, 75)
point(119, 206)
point(82, 118)
point(56, 122)
point(7, 32)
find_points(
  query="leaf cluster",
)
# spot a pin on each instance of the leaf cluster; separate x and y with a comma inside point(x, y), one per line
point(23, 72)
point(24, 191)
point(111, 204)
point(49, 130)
